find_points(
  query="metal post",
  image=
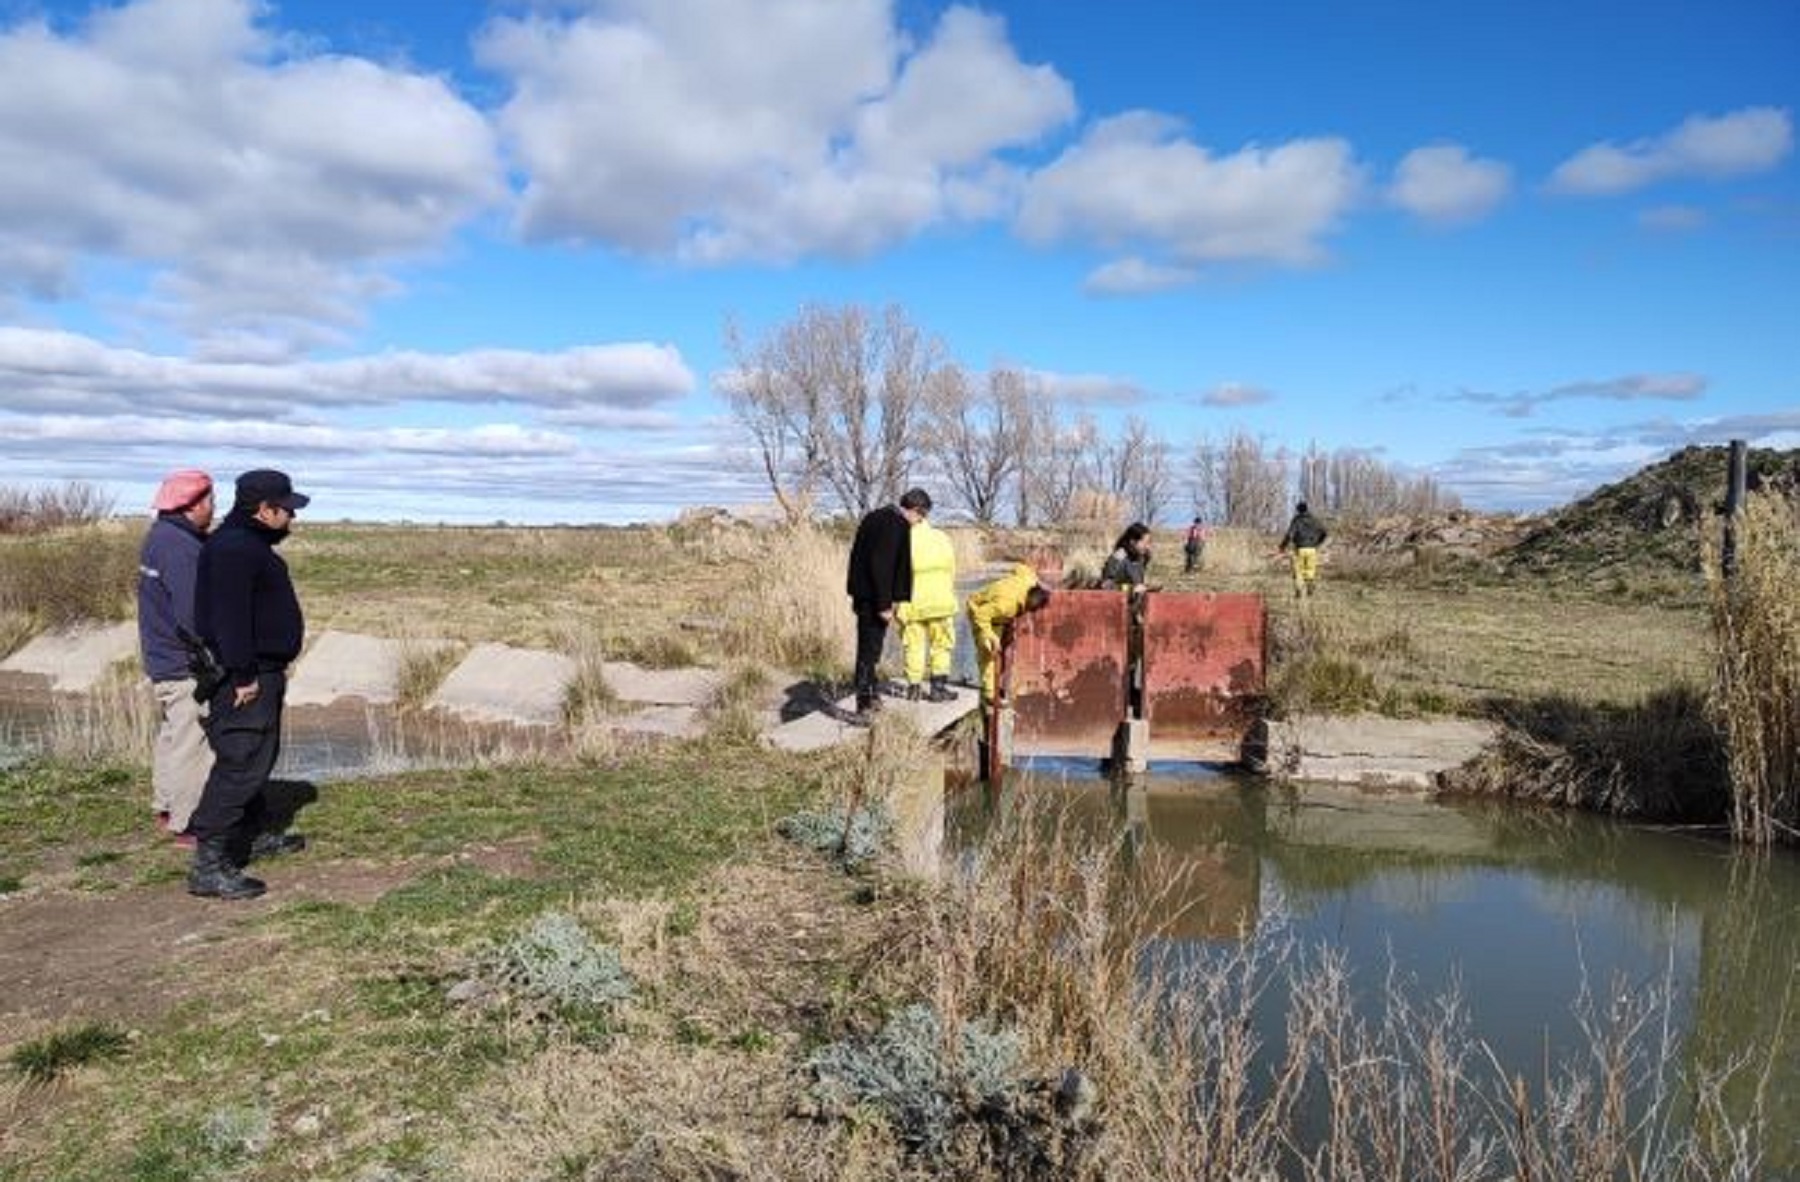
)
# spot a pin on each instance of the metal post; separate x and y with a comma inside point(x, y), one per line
point(1734, 504)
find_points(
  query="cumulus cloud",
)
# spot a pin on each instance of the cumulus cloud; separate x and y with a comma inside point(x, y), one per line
point(55, 372)
point(1135, 181)
point(1752, 140)
point(1089, 388)
point(1136, 276)
point(1669, 387)
point(1445, 185)
point(665, 129)
point(1227, 394)
point(1551, 468)
point(261, 187)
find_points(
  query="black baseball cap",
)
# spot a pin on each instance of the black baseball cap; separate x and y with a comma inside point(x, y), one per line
point(266, 485)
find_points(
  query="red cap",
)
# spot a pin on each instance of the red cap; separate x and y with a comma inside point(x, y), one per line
point(181, 489)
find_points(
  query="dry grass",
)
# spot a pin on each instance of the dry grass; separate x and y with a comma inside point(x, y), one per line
point(423, 664)
point(31, 511)
point(71, 575)
point(16, 628)
point(1756, 689)
point(114, 723)
point(786, 606)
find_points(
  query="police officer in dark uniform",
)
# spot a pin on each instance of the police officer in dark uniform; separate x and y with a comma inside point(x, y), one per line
point(245, 609)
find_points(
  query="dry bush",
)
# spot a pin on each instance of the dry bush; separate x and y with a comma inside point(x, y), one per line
point(1756, 689)
point(422, 665)
point(30, 511)
point(790, 610)
point(1233, 551)
point(588, 696)
point(70, 577)
point(115, 722)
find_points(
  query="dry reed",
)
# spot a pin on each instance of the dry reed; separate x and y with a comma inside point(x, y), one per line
point(1756, 690)
point(791, 609)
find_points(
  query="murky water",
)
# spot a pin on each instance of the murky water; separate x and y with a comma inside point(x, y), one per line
point(1517, 911)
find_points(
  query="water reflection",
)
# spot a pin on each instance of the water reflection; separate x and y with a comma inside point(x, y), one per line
point(1517, 911)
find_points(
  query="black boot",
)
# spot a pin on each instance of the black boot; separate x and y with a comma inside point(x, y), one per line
point(215, 876)
point(940, 690)
point(272, 845)
point(914, 691)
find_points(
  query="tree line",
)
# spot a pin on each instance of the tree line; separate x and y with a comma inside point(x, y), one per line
point(844, 407)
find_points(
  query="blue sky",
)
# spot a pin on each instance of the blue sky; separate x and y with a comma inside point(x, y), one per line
point(463, 261)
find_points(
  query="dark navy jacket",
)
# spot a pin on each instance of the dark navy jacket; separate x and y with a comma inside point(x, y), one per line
point(881, 573)
point(245, 604)
point(167, 565)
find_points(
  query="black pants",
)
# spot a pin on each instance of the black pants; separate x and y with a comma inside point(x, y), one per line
point(245, 741)
point(871, 634)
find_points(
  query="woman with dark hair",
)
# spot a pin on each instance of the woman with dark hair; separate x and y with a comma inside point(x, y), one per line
point(1128, 566)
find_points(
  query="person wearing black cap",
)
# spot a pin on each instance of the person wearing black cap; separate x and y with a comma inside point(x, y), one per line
point(245, 609)
point(880, 576)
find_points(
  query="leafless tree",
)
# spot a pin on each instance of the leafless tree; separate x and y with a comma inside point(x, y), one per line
point(978, 435)
point(1241, 482)
point(1058, 466)
point(834, 399)
point(1357, 484)
point(1040, 425)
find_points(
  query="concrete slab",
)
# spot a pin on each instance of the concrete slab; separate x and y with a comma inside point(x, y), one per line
point(499, 683)
point(822, 729)
point(74, 660)
point(675, 722)
point(1393, 753)
point(351, 665)
point(662, 687)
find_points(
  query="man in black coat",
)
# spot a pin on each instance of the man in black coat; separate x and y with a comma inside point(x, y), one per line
point(246, 611)
point(880, 576)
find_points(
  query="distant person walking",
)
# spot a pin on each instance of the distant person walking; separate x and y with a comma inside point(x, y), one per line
point(1194, 545)
point(928, 619)
point(1128, 566)
point(168, 565)
point(880, 576)
point(992, 611)
point(1305, 534)
point(248, 613)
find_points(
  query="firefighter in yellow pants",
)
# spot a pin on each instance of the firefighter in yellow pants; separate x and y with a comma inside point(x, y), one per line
point(992, 611)
point(928, 620)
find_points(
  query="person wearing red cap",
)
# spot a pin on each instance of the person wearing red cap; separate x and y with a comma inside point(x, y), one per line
point(167, 565)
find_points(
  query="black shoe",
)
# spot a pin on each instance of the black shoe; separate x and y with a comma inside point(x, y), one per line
point(273, 845)
point(215, 876)
point(914, 693)
point(941, 691)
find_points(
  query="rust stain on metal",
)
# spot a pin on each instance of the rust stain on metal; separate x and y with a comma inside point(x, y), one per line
point(1203, 673)
point(1067, 673)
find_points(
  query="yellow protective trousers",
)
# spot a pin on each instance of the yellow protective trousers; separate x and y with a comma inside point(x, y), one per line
point(920, 637)
point(1306, 569)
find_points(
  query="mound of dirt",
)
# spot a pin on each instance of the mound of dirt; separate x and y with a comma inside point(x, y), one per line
point(1648, 521)
point(1456, 533)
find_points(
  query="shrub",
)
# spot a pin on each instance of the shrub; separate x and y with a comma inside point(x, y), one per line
point(558, 963)
point(70, 578)
point(30, 511)
point(792, 611)
point(852, 839)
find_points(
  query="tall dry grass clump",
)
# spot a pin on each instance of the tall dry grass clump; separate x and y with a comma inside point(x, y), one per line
point(1756, 690)
point(114, 723)
point(1052, 932)
point(791, 610)
point(71, 576)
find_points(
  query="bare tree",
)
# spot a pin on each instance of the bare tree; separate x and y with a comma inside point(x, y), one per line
point(1059, 466)
point(977, 437)
point(1040, 423)
point(1357, 484)
point(1241, 482)
point(1140, 473)
point(835, 398)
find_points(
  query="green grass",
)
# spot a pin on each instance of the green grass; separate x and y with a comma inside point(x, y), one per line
point(44, 1059)
point(341, 1013)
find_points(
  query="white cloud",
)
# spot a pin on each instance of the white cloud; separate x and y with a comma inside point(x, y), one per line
point(1136, 276)
point(63, 373)
point(1236, 394)
point(1752, 140)
point(670, 129)
point(1446, 185)
point(1091, 388)
point(1652, 387)
point(259, 187)
point(1133, 180)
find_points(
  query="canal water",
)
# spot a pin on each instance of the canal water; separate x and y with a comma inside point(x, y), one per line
point(1516, 911)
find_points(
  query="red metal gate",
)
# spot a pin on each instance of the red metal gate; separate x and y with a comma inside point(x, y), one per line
point(1203, 673)
point(1066, 669)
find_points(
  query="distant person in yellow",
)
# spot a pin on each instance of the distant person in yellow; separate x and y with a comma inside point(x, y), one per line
point(1305, 534)
point(992, 611)
point(928, 620)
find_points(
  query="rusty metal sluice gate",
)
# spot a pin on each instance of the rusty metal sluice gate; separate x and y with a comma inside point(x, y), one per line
point(1176, 676)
